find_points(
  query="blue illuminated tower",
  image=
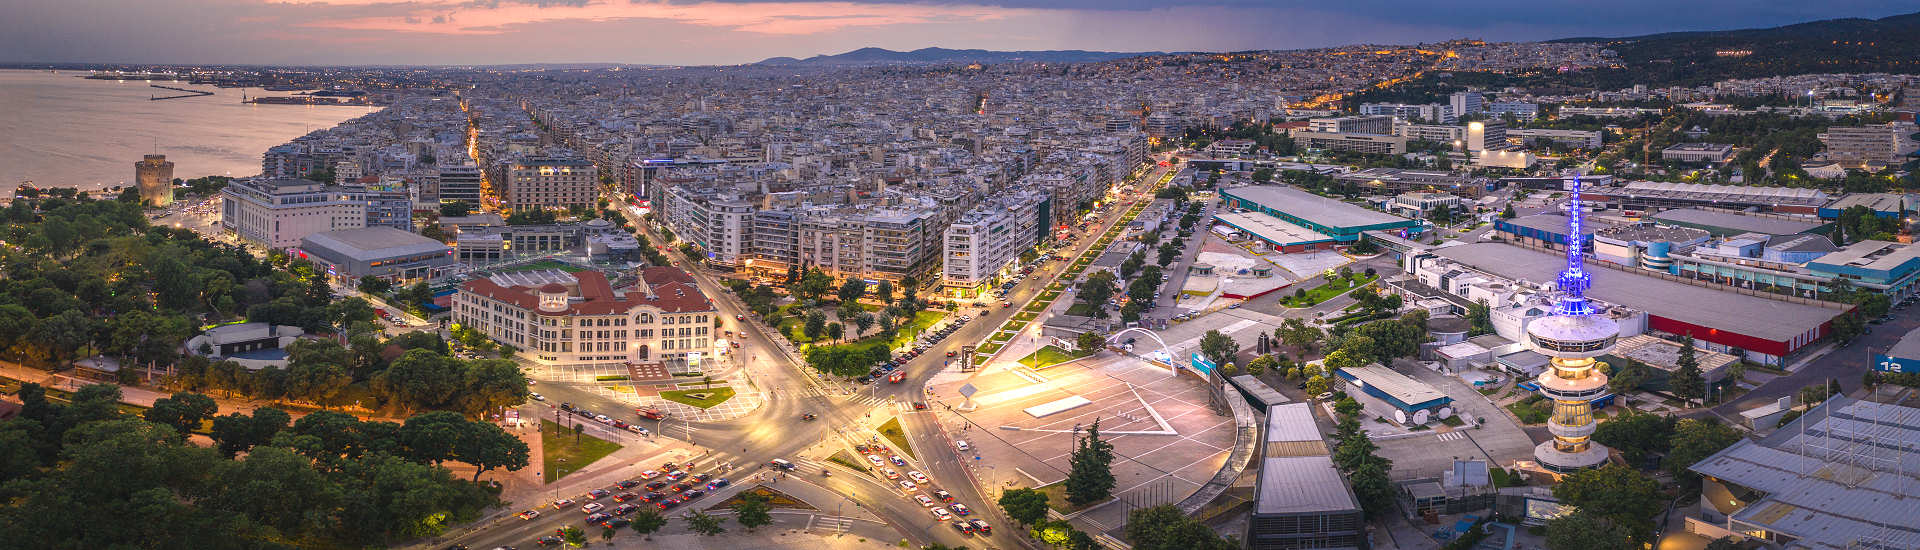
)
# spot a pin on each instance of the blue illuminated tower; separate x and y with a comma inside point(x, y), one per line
point(1573, 336)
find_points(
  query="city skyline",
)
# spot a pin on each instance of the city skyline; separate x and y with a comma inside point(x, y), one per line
point(364, 32)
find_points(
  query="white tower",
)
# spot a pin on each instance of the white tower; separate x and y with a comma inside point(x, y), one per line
point(1573, 336)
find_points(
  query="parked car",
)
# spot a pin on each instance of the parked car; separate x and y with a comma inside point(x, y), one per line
point(923, 500)
point(942, 514)
point(961, 509)
point(943, 496)
point(918, 477)
point(598, 494)
point(981, 526)
point(592, 507)
point(530, 514)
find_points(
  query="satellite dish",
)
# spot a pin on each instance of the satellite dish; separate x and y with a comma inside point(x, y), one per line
point(1420, 417)
point(1400, 416)
point(1445, 412)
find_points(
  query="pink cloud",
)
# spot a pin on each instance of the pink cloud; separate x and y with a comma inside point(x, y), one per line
point(779, 18)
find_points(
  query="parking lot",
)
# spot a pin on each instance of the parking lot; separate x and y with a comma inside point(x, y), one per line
point(1166, 441)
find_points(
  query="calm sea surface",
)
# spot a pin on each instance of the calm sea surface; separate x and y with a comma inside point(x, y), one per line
point(60, 130)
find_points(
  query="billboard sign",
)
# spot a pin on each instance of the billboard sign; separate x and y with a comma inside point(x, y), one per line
point(1202, 364)
point(1887, 363)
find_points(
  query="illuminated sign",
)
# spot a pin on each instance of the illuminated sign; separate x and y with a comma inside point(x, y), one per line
point(1887, 363)
point(1202, 364)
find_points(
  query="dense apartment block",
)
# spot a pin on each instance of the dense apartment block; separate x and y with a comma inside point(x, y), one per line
point(550, 182)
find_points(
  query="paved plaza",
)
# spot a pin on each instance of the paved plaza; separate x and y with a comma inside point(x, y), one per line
point(1166, 440)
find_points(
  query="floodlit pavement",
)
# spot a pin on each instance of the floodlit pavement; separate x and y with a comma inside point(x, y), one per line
point(1130, 397)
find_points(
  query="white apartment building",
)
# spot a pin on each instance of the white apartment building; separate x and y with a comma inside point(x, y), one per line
point(1466, 103)
point(577, 319)
point(546, 182)
point(1486, 135)
point(1583, 139)
point(1521, 110)
point(720, 224)
point(1873, 146)
point(278, 213)
point(1432, 112)
point(1441, 133)
point(1378, 125)
point(986, 241)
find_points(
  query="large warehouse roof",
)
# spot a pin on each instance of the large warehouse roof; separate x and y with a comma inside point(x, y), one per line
point(1838, 477)
point(1737, 222)
point(1297, 476)
point(1407, 390)
point(373, 243)
point(1314, 208)
point(1749, 315)
point(1271, 229)
point(1723, 193)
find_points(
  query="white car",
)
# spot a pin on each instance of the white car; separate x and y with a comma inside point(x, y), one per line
point(537, 397)
point(923, 500)
point(908, 486)
point(941, 514)
point(877, 461)
point(592, 507)
point(649, 474)
point(917, 476)
point(961, 445)
point(892, 474)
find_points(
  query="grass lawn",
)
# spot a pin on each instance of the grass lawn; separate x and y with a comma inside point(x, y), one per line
point(1081, 309)
point(891, 430)
point(921, 321)
point(989, 348)
point(1528, 414)
point(1049, 356)
point(1057, 498)
point(1332, 288)
point(1453, 421)
point(774, 498)
point(560, 451)
point(699, 398)
point(1001, 337)
point(844, 458)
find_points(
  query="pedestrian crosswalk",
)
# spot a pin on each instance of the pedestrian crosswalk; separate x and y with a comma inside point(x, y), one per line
point(831, 524)
point(1451, 436)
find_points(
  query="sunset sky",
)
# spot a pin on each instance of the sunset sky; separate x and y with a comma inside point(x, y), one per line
point(743, 31)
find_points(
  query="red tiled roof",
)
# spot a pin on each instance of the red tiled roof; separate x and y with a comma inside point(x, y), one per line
point(673, 291)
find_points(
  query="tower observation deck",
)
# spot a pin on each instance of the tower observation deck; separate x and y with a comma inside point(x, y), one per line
point(1572, 337)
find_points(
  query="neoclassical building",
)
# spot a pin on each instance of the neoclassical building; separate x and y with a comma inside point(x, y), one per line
point(559, 318)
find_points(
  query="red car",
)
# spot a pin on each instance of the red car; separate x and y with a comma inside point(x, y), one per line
point(896, 377)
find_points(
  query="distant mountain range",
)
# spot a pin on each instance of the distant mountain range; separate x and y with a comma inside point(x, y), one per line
point(1890, 44)
point(923, 56)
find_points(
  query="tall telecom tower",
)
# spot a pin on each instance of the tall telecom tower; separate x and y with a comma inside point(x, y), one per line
point(1573, 336)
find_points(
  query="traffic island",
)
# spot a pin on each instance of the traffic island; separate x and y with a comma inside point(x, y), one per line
point(703, 398)
point(1049, 356)
point(774, 498)
point(564, 451)
point(891, 429)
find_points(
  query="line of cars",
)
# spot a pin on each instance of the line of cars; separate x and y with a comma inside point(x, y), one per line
point(666, 488)
point(939, 503)
point(603, 419)
point(890, 369)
